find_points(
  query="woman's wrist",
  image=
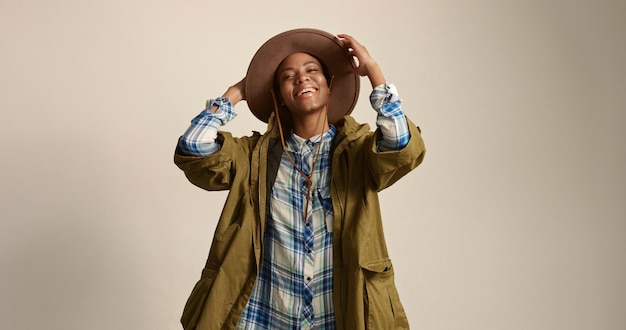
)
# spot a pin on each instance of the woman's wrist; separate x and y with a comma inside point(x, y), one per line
point(375, 74)
point(233, 94)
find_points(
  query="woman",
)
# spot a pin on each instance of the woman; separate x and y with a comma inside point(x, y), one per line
point(299, 243)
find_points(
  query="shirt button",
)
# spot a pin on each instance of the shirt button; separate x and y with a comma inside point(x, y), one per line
point(309, 251)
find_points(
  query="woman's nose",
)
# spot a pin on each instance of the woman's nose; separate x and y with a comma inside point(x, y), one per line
point(302, 77)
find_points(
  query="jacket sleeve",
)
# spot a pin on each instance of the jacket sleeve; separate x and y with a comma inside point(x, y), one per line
point(216, 171)
point(387, 167)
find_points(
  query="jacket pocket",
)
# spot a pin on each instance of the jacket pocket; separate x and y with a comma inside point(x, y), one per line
point(220, 245)
point(197, 299)
point(383, 309)
point(226, 231)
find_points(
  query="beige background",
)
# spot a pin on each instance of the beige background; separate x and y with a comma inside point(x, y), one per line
point(516, 219)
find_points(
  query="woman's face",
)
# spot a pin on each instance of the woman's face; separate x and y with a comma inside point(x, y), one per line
point(303, 86)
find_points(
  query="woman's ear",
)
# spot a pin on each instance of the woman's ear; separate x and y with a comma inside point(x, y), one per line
point(330, 84)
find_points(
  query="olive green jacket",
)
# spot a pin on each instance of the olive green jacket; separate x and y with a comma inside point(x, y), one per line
point(365, 296)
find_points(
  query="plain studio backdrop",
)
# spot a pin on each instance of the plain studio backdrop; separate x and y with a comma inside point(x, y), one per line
point(515, 220)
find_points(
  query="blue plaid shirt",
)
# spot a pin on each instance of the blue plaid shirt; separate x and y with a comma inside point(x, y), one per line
point(294, 286)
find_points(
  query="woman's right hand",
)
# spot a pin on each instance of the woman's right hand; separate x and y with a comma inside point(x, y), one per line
point(236, 92)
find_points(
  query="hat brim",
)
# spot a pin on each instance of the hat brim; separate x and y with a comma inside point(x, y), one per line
point(325, 47)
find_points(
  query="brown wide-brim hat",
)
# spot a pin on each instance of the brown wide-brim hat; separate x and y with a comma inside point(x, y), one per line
point(325, 47)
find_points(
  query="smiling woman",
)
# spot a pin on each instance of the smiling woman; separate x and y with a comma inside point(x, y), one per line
point(516, 222)
point(295, 246)
point(304, 91)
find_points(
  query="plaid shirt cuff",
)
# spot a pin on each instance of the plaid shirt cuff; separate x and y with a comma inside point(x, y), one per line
point(199, 139)
point(390, 120)
point(225, 112)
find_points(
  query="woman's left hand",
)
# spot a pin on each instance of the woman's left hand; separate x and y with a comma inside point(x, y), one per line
point(366, 65)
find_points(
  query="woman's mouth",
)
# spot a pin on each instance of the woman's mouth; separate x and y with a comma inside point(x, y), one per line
point(305, 91)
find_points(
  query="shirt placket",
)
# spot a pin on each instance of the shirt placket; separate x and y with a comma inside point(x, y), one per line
point(307, 153)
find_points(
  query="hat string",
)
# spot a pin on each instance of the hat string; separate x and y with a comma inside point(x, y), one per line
point(309, 182)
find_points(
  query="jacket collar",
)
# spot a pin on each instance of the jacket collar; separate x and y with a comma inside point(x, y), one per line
point(346, 126)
